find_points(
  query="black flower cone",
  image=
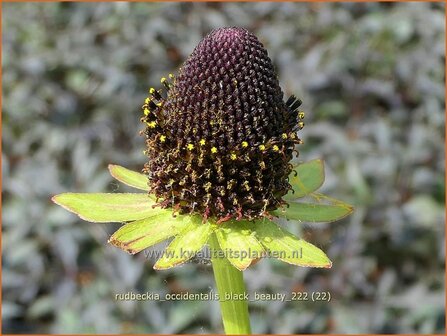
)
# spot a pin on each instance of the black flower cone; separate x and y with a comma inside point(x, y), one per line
point(220, 139)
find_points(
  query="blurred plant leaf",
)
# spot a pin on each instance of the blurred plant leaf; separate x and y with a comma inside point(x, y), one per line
point(11, 310)
point(185, 245)
point(239, 243)
point(180, 316)
point(41, 307)
point(106, 207)
point(129, 177)
point(309, 177)
point(136, 236)
point(288, 248)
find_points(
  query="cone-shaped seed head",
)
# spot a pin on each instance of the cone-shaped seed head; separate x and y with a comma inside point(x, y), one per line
point(220, 143)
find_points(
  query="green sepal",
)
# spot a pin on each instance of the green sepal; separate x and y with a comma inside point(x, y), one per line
point(308, 177)
point(139, 235)
point(238, 241)
point(284, 246)
point(184, 246)
point(106, 207)
point(315, 212)
point(129, 177)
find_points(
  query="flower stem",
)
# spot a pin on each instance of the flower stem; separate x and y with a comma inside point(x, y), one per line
point(230, 282)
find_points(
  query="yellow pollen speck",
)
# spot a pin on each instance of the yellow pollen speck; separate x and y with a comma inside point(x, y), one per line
point(207, 186)
point(147, 100)
point(233, 156)
point(275, 148)
point(151, 90)
point(152, 124)
point(171, 76)
point(284, 136)
point(292, 135)
point(301, 114)
point(163, 79)
point(146, 111)
point(300, 124)
point(190, 146)
point(158, 104)
point(214, 150)
point(202, 142)
point(262, 147)
point(162, 138)
point(244, 144)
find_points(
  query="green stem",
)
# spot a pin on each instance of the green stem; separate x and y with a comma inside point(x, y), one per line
point(229, 281)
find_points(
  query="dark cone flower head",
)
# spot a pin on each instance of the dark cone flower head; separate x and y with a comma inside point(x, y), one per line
point(220, 136)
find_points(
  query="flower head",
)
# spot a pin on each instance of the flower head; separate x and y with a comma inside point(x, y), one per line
point(219, 141)
point(227, 133)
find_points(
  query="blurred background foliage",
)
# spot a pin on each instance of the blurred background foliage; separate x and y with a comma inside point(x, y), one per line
point(371, 76)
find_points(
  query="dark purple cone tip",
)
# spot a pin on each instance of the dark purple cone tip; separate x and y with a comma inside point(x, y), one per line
point(219, 135)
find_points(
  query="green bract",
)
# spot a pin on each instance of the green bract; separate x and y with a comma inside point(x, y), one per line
point(242, 242)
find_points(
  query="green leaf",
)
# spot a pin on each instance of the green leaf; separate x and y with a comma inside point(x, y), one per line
point(282, 245)
point(185, 245)
point(315, 212)
point(129, 177)
point(104, 207)
point(309, 177)
point(239, 243)
point(136, 236)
